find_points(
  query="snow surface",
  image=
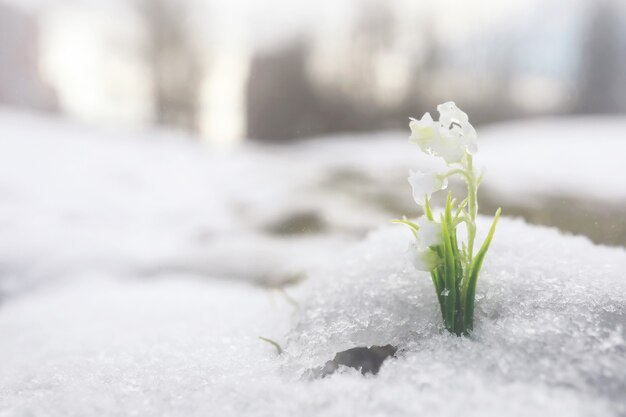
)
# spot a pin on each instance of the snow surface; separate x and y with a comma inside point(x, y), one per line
point(577, 157)
point(130, 268)
point(551, 324)
point(76, 199)
point(549, 339)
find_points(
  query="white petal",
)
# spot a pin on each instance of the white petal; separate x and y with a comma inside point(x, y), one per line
point(423, 259)
point(470, 141)
point(429, 233)
point(424, 184)
point(456, 121)
point(450, 138)
point(423, 131)
point(449, 113)
point(446, 111)
point(450, 145)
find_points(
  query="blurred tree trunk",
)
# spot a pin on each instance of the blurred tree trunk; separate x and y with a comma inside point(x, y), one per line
point(21, 83)
point(173, 61)
point(603, 66)
point(281, 101)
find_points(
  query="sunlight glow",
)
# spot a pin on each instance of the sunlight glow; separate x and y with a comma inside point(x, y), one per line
point(93, 83)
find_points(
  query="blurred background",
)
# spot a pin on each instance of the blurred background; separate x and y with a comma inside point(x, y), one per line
point(278, 70)
point(185, 134)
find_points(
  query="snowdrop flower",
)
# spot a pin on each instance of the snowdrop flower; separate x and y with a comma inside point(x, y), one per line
point(450, 145)
point(423, 259)
point(456, 120)
point(449, 138)
point(429, 233)
point(424, 131)
point(451, 267)
point(424, 184)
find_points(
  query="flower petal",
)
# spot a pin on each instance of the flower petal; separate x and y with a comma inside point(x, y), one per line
point(456, 120)
point(429, 233)
point(423, 131)
point(450, 145)
point(424, 184)
point(423, 259)
point(449, 113)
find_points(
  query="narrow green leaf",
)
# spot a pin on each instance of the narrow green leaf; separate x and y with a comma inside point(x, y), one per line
point(457, 270)
point(450, 297)
point(448, 211)
point(452, 233)
point(279, 349)
point(427, 211)
point(414, 227)
point(470, 289)
point(438, 289)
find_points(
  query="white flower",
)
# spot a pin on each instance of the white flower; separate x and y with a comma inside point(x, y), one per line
point(429, 233)
point(449, 138)
point(456, 120)
point(424, 131)
point(424, 184)
point(423, 259)
point(449, 145)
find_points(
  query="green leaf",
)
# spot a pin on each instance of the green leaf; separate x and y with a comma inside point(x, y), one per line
point(470, 287)
point(460, 209)
point(414, 227)
point(449, 279)
point(279, 349)
point(438, 283)
point(427, 211)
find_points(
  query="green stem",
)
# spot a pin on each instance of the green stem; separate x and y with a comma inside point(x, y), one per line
point(454, 172)
point(449, 278)
point(468, 259)
point(472, 206)
point(438, 283)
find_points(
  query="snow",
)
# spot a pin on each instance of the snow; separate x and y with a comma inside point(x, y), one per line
point(176, 347)
point(77, 199)
point(134, 271)
point(551, 309)
point(578, 157)
point(549, 339)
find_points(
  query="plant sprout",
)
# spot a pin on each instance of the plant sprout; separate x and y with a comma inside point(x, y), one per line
point(454, 270)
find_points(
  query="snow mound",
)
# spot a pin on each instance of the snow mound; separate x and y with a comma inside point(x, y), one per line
point(551, 316)
point(549, 339)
